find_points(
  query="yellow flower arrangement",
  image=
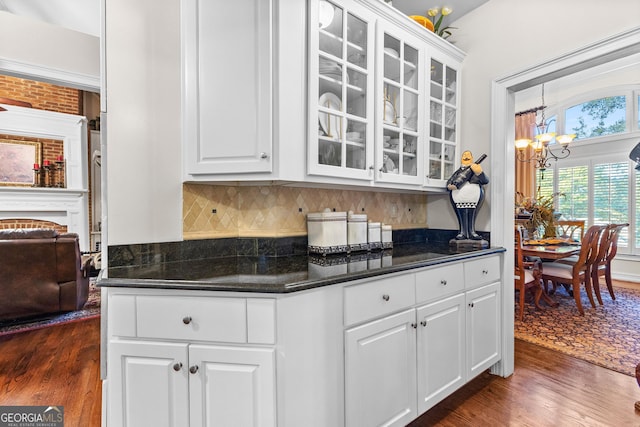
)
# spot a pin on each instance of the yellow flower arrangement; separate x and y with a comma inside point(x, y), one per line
point(437, 22)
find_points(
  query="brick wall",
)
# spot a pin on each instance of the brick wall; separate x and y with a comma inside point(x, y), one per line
point(42, 96)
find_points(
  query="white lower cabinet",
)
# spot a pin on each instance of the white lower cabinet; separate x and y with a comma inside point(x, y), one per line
point(483, 328)
point(180, 384)
point(400, 365)
point(405, 341)
point(441, 345)
point(380, 372)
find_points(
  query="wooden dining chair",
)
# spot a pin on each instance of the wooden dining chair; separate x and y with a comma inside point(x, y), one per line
point(527, 275)
point(573, 229)
point(579, 272)
point(606, 252)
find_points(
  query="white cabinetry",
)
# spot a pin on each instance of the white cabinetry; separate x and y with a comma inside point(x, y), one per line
point(228, 86)
point(443, 118)
point(331, 92)
point(167, 370)
point(380, 370)
point(405, 341)
point(415, 349)
point(399, 154)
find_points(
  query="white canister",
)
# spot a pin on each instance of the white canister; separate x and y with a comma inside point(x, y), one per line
point(327, 230)
point(374, 237)
point(357, 231)
point(386, 235)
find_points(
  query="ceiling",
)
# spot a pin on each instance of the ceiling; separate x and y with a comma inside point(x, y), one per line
point(77, 15)
point(84, 15)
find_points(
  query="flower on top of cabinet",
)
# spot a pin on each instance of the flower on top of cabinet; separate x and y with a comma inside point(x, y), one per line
point(437, 15)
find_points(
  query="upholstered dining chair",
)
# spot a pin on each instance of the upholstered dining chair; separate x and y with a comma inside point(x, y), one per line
point(573, 229)
point(527, 275)
point(606, 252)
point(579, 272)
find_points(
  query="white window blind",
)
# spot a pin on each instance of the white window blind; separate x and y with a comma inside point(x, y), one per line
point(573, 182)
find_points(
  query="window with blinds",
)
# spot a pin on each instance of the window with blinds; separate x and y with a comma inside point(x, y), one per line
point(599, 184)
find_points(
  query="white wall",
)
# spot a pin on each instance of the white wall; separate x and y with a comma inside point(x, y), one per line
point(505, 36)
point(143, 137)
point(33, 48)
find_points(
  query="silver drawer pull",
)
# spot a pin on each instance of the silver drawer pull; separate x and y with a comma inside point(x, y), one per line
point(385, 297)
point(177, 366)
point(186, 320)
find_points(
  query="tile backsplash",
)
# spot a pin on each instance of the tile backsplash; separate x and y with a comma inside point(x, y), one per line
point(218, 211)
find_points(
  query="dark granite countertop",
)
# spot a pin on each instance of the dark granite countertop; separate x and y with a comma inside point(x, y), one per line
point(281, 274)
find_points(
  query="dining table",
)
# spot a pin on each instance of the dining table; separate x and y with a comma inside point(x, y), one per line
point(550, 249)
point(550, 252)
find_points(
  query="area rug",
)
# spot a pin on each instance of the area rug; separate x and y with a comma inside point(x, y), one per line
point(608, 335)
point(90, 310)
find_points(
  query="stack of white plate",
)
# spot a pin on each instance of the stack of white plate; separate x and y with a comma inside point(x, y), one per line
point(330, 69)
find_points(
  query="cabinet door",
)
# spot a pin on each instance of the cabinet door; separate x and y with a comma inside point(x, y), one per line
point(483, 328)
point(341, 64)
point(227, 86)
point(148, 384)
point(441, 350)
point(443, 121)
point(380, 372)
point(400, 100)
point(231, 386)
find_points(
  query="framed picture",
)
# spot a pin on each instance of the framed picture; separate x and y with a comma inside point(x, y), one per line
point(17, 159)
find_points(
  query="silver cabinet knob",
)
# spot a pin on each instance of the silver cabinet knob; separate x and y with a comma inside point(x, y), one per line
point(423, 323)
point(264, 155)
point(414, 325)
point(177, 366)
point(186, 320)
point(193, 369)
point(443, 282)
point(485, 271)
point(385, 297)
point(471, 304)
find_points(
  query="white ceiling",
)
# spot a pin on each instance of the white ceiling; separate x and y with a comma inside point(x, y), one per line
point(77, 15)
point(84, 15)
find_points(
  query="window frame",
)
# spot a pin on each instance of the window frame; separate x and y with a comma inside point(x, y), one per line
point(604, 149)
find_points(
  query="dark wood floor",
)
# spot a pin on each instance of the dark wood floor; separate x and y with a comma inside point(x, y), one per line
point(60, 366)
point(54, 366)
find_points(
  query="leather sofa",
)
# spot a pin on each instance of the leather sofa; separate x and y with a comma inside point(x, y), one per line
point(41, 272)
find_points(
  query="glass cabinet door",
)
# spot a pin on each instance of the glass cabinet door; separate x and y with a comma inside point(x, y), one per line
point(340, 79)
point(400, 110)
point(443, 112)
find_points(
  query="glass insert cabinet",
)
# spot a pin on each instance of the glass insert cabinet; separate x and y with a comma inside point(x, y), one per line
point(443, 116)
point(380, 107)
point(340, 91)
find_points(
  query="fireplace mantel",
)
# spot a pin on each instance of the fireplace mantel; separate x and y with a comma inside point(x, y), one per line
point(59, 205)
point(66, 206)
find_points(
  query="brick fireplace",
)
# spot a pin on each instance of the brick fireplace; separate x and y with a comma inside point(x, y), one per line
point(67, 207)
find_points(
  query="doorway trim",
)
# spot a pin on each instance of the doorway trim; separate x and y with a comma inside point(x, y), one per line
point(503, 92)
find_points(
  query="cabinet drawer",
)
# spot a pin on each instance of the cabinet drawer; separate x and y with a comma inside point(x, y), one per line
point(378, 297)
point(192, 318)
point(481, 271)
point(439, 282)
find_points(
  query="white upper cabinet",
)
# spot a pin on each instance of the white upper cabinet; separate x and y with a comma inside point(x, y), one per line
point(336, 92)
point(400, 103)
point(227, 86)
point(341, 87)
point(443, 115)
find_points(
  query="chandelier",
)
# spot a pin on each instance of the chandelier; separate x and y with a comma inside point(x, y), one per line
point(542, 143)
